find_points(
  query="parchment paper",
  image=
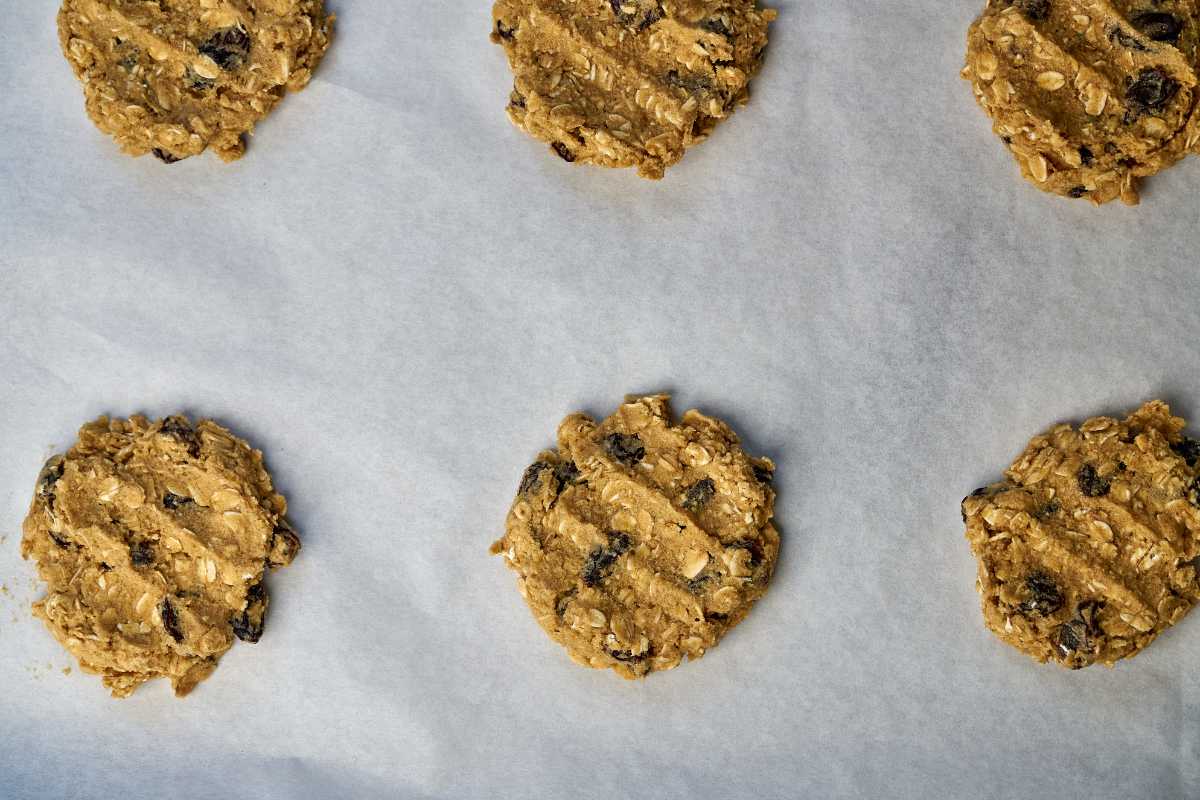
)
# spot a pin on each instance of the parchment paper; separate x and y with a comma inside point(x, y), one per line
point(397, 296)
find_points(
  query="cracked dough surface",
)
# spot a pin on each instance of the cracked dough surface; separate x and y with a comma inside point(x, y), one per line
point(628, 83)
point(1088, 95)
point(1087, 550)
point(153, 539)
point(174, 77)
point(640, 541)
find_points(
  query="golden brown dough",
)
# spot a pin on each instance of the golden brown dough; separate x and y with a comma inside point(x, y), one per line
point(625, 83)
point(640, 541)
point(1088, 95)
point(1087, 550)
point(153, 540)
point(176, 77)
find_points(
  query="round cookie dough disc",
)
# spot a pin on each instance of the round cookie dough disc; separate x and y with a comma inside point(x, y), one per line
point(175, 78)
point(153, 539)
point(1088, 549)
point(625, 83)
point(640, 541)
point(1088, 96)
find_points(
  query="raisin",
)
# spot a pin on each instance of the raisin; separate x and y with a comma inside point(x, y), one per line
point(1086, 156)
point(1158, 26)
point(716, 26)
point(1079, 633)
point(566, 474)
point(1089, 612)
point(628, 656)
point(1193, 492)
point(248, 625)
point(284, 545)
point(1152, 90)
point(140, 554)
point(626, 448)
point(49, 477)
point(1188, 450)
point(1044, 595)
point(601, 559)
point(48, 480)
point(1049, 510)
point(179, 428)
point(504, 32)
point(1036, 10)
point(228, 48)
point(532, 478)
point(516, 100)
point(597, 561)
point(65, 544)
point(962, 507)
point(1118, 36)
point(616, 7)
point(692, 83)
point(698, 494)
point(1069, 636)
point(652, 16)
point(563, 152)
point(165, 157)
point(169, 620)
point(619, 542)
point(1077, 192)
point(1091, 484)
point(715, 616)
point(763, 474)
point(173, 501)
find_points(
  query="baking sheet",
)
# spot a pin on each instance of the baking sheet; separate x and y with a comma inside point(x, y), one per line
point(397, 295)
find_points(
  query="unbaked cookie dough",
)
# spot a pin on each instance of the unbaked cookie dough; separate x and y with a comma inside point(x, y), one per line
point(1088, 95)
point(640, 541)
point(173, 78)
point(153, 539)
point(625, 83)
point(1088, 549)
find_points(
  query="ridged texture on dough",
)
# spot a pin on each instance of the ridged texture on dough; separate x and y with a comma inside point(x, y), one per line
point(1089, 95)
point(640, 541)
point(153, 540)
point(177, 78)
point(628, 82)
point(1087, 550)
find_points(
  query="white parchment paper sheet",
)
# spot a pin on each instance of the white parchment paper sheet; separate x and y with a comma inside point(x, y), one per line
point(397, 295)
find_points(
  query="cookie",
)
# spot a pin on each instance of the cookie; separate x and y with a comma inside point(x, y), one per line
point(153, 539)
point(1088, 95)
point(175, 78)
point(628, 83)
point(640, 541)
point(1088, 549)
